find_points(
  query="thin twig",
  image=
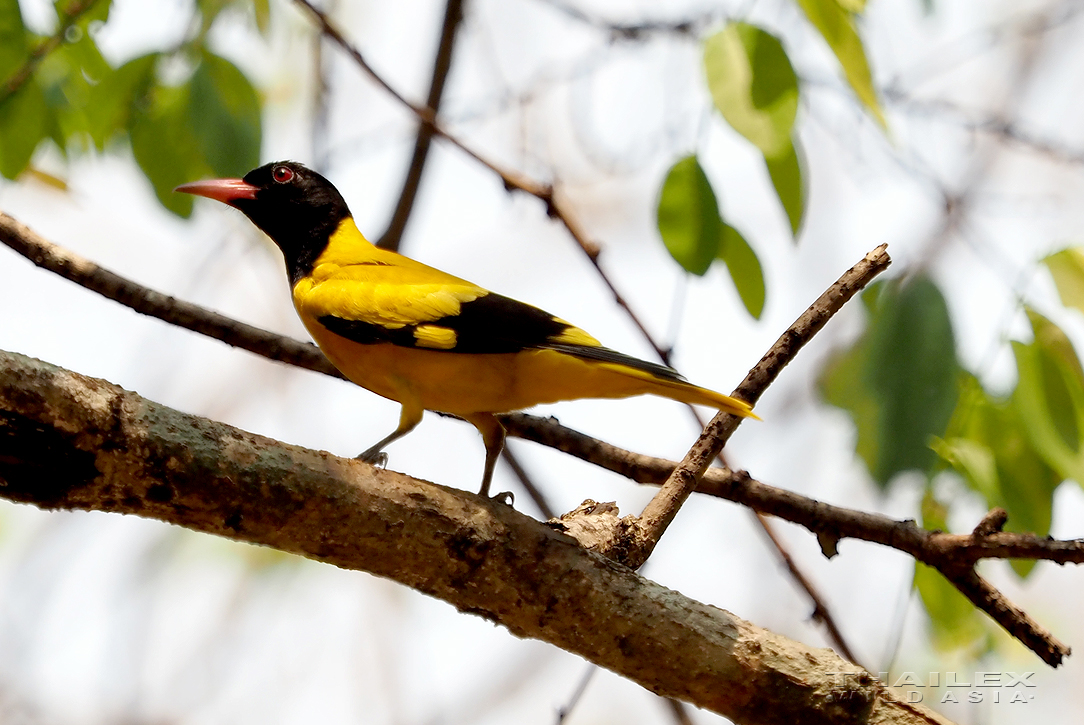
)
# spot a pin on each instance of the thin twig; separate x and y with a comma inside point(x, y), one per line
point(392, 236)
point(566, 710)
point(661, 510)
point(645, 29)
point(528, 484)
point(1014, 620)
point(680, 712)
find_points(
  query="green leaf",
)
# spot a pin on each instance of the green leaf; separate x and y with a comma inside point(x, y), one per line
point(1067, 269)
point(262, 11)
point(837, 27)
point(120, 94)
point(166, 148)
point(1049, 397)
point(97, 11)
point(209, 126)
point(211, 9)
point(688, 216)
point(69, 77)
point(973, 460)
point(24, 121)
point(954, 620)
point(786, 173)
point(14, 46)
point(913, 368)
point(753, 85)
point(987, 443)
point(224, 111)
point(899, 380)
point(744, 267)
point(853, 6)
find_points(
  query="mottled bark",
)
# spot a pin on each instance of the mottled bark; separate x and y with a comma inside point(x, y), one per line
point(67, 441)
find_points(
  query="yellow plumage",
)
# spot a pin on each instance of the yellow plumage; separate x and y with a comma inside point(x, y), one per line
point(425, 338)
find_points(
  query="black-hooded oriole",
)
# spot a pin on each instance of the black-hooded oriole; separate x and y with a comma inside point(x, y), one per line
point(422, 337)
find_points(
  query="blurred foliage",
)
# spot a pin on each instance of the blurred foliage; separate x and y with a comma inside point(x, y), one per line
point(899, 381)
point(1050, 397)
point(695, 234)
point(987, 443)
point(1067, 269)
point(60, 90)
point(754, 87)
point(915, 409)
point(834, 19)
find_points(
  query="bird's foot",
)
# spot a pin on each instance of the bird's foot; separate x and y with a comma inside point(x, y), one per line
point(506, 497)
point(376, 458)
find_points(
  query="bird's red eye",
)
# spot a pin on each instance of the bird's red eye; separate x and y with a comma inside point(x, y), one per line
point(282, 174)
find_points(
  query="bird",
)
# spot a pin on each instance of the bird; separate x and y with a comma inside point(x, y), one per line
point(424, 338)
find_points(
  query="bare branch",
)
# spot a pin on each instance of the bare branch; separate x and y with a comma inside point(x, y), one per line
point(67, 441)
point(390, 239)
point(661, 510)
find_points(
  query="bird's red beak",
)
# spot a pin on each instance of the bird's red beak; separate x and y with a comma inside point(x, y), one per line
point(225, 190)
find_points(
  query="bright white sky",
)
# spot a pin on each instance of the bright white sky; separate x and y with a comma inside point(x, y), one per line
point(104, 617)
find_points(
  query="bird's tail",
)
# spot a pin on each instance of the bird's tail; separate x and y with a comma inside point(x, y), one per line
point(638, 377)
point(685, 392)
point(689, 393)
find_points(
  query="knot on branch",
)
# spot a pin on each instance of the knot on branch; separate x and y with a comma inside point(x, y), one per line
point(992, 523)
point(600, 528)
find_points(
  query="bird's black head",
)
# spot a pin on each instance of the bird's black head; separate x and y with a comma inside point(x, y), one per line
point(295, 206)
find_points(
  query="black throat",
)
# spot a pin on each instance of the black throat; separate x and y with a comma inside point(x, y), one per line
point(299, 215)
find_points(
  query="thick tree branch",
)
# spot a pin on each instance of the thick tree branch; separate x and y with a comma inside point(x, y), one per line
point(953, 555)
point(67, 441)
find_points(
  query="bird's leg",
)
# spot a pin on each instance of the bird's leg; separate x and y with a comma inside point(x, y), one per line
point(409, 418)
point(493, 434)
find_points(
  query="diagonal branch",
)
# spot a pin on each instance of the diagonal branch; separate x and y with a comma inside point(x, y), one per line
point(661, 510)
point(390, 239)
point(149, 302)
point(72, 442)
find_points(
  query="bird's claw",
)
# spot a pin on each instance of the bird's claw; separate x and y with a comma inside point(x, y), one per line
point(506, 497)
point(375, 458)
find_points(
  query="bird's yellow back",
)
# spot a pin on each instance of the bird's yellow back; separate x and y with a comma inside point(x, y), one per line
point(425, 338)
